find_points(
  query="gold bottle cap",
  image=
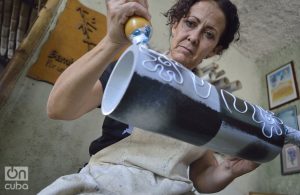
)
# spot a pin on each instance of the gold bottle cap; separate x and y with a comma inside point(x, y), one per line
point(134, 23)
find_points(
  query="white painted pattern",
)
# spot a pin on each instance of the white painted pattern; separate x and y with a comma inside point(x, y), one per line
point(203, 85)
point(266, 118)
point(159, 63)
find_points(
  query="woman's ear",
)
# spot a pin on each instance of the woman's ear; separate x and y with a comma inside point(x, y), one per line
point(216, 51)
point(173, 29)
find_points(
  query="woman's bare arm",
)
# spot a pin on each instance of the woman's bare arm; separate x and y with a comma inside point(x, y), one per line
point(78, 89)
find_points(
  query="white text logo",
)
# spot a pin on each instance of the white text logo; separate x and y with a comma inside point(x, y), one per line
point(15, 177)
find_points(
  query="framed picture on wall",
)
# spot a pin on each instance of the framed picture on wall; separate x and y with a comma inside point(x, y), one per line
point(290, 154)
point(282, 85)
point(261, 193)
point(289, 116)
point(290, 159)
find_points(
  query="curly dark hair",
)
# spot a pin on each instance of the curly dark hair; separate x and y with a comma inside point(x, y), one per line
point(231, 32)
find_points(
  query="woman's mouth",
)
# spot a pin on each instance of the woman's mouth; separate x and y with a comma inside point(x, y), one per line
point(185, 49)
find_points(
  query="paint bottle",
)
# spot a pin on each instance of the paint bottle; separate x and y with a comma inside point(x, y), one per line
point(138, 30)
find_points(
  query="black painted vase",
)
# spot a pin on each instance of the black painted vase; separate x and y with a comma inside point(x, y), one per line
point(149, 91)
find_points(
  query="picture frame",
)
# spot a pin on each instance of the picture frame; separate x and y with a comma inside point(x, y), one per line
point(262, 193)
point(290, 159)
point(289, 116)
point(290, 154)
point(282, 85)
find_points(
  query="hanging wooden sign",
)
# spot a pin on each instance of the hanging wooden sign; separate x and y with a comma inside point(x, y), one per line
point(77, 31)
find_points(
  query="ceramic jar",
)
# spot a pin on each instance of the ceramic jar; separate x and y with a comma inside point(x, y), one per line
point(150, 91)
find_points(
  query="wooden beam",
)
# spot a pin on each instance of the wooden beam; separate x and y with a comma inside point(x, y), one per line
point(13, 69)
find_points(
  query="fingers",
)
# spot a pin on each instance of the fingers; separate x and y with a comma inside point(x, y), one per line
point(119, 12)
point(144, 3)
point(135, 8)
point(231, 158)
point(127, 8)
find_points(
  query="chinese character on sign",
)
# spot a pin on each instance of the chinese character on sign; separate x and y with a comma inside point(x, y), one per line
point(87, 27)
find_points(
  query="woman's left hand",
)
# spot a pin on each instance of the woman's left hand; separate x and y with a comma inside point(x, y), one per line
point(210, 176)
point(239, 166)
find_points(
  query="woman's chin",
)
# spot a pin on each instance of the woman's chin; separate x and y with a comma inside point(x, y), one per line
point(182, 59)
point(184, 62)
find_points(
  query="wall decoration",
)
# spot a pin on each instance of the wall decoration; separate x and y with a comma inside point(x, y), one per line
point(282, 85)
point(77, 31)
point(290, 159)
point(261, 193)
point(290, 155)
point(289, 116)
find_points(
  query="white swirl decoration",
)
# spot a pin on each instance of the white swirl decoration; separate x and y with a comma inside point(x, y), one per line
point(167, 69)
point(234, 103)
point(270, 123)
point(202, 88)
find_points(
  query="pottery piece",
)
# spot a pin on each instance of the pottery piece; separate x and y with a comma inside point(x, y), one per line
point(149, 91)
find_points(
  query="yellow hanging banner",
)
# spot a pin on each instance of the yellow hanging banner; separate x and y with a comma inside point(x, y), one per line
point(77, 31)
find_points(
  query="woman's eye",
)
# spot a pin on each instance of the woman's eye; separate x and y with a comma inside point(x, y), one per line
point(190, 24)
point(209, 35)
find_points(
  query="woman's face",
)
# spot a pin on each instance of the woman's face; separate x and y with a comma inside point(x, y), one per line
point(196, 36)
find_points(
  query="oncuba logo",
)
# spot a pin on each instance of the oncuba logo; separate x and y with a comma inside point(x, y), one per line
point(15, 177)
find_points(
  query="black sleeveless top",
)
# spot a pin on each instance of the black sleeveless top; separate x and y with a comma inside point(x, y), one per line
point(112, 130)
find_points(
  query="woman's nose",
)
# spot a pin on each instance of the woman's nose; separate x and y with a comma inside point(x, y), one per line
point(194, 37)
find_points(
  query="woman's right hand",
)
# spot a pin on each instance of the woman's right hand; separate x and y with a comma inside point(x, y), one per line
point(118, 13)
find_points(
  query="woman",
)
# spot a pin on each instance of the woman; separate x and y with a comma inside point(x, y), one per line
point(146, 163)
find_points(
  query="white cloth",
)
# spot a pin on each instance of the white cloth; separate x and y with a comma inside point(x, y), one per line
point(143, 163)
point(109, 179)
point(159, 154)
